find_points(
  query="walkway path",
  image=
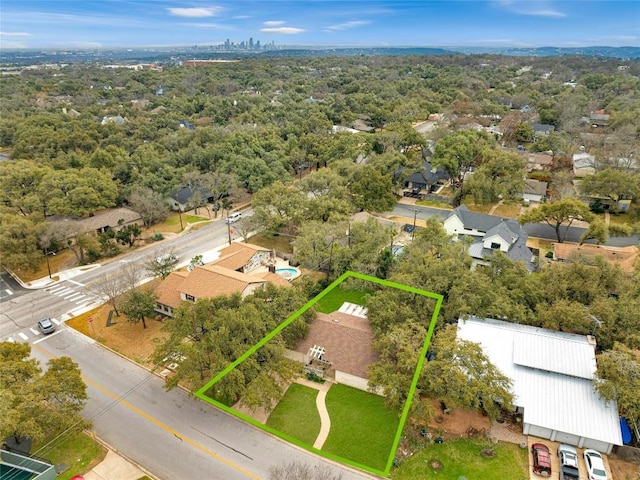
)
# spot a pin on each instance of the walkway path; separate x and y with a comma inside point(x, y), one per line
point(325, 421)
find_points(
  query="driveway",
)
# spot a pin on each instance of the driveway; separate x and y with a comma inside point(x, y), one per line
point(555, 465)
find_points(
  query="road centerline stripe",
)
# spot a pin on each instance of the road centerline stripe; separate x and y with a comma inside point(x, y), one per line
point(160, 424)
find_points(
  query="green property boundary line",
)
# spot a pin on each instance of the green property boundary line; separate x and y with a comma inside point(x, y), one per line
point(405, 411)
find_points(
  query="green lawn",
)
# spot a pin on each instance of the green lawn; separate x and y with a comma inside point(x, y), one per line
point(336, 297)
point(362, 428)
point(462, 458)
point(296, 414)
point(79, 452)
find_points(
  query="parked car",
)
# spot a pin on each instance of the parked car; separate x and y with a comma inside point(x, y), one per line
point(595, 465)
point(568, 457)
point(541, 459)
point(233, 218)
point(46, 326)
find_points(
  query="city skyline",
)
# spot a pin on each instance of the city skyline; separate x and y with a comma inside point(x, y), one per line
point(486, 23)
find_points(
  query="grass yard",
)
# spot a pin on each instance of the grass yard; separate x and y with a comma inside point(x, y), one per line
point(279, 243)
point(507, 211)
point(296, 414)
point(172, 223)
point(362, 428)
point(336, 297)
point(79, 452)
point(462, 458)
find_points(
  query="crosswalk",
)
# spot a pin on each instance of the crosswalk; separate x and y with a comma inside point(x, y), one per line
point(28, 334)
point(71, 294)
point(353, 309)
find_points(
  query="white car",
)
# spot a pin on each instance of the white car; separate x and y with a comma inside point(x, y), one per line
point(595, 465)
point(233, 218)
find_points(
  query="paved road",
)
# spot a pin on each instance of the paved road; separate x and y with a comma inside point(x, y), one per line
point(538, 230)
point(21, 311)
point(171, 434)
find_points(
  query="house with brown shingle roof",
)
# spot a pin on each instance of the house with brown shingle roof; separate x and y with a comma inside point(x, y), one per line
point(114, 218)
point(225, 276)
point(345, 342)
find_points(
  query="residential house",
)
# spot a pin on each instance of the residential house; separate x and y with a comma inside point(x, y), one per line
point(117, 119)
point(182, 199)
point(489, 234)
point(244, 257)
point(537, 161)
point(553, 376)
point(109, 219)
point(624, 257)
point(505, 102)
point(339, 344)
point(340, 128)
point(225, 276)
point(427, 180)
point(542, 129)
point(535, 191)
point(583, 164)
point(187, 125)
point(599, 118)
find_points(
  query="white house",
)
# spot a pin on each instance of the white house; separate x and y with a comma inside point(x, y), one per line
point(553, 374)
point(490, 233)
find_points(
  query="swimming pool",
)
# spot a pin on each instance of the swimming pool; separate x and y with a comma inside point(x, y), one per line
point(288, 273)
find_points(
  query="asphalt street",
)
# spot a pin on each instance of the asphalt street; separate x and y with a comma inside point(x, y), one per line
point(538, 230)
point(171, 434)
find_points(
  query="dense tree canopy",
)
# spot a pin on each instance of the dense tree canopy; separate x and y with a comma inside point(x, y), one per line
point(34, 404)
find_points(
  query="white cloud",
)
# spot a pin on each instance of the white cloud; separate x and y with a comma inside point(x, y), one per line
point(273, 23)
point(538, 8)
point(347, 25)
point(15, 34)
point(283, 30)
point(195, 12)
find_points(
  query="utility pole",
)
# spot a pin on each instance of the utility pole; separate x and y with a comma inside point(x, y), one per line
point(229, 229)
point(46, 255)
point(413, 232)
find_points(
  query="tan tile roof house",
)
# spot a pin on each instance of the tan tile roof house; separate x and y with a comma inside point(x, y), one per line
point(243, 257)
point(221, 277)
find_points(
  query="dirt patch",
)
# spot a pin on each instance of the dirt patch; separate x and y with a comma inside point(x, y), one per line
point(129, 339)
point(459, 422)
point(623, 470)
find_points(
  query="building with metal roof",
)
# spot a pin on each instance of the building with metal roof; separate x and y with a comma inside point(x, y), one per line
point(553, 381)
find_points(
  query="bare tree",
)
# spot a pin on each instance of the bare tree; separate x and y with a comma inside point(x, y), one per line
point(112, 287)
point(162, 265)
point(245, 227)
point(149, 205)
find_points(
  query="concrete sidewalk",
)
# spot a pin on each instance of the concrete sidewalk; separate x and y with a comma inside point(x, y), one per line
point(115, 467)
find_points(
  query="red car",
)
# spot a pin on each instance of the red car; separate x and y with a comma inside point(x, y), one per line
point(541, 459)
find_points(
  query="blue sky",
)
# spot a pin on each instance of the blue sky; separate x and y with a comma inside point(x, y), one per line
point(132, 23)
